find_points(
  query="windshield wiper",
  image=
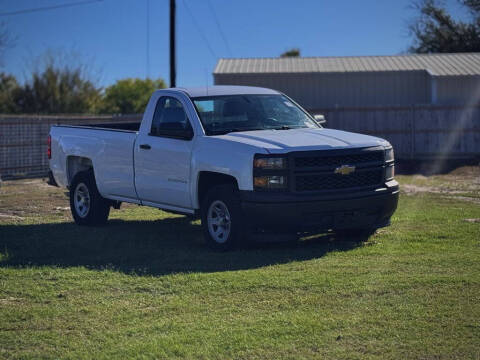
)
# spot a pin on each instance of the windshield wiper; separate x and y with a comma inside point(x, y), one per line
point(286, 127)
point(227, 131)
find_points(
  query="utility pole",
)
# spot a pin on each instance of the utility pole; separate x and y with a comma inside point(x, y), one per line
point(148, 40)
point(173, 73)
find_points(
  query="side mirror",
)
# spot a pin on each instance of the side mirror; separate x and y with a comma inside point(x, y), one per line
point(319, 118)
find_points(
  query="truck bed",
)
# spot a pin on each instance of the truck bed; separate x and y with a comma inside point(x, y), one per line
point(109, 147)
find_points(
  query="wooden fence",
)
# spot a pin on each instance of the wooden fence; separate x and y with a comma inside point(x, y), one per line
point(418, 133)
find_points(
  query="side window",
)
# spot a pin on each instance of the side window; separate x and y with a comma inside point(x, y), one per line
point(170, 118)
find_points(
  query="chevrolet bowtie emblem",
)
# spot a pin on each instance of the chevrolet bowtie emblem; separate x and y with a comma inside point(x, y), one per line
point(345, 170)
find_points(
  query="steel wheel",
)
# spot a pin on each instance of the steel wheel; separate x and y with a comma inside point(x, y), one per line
point(219, 221)
point(81, 200)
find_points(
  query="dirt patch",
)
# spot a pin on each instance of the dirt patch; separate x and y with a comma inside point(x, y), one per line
point(21, 199)
point(461, 184)
point(466, 171)
point(411, 189)
point(419, 177)
point(12, 217)
point(472, 220)
point(11, 301)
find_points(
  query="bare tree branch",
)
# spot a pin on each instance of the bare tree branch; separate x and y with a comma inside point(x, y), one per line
point(435, 31)
point(6, 40)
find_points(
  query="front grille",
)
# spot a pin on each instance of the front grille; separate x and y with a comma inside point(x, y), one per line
point(330, 181)
point(338, 160)
point(315, 171)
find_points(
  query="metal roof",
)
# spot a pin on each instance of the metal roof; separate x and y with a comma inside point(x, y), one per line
point(436, 64)
point(217, 90)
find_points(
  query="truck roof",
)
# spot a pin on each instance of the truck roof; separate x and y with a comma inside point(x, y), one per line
point(217, 90)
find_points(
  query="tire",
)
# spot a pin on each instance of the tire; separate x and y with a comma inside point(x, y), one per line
point(87, 205)
point(222, 202)
point(354, 234)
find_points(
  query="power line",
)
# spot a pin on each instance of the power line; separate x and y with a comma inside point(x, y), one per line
point(199, 29)
point(25, 11)
point(148, 39)
point(222, 34)
point(173, 41)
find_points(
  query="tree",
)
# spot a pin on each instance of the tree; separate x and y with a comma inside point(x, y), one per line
point(435, 31)
point(9, 90)
point(129, 96)
point(295, 52)
point(59, 89)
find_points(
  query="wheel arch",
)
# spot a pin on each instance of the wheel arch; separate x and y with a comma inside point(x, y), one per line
point(76, 164)
point(208, 179)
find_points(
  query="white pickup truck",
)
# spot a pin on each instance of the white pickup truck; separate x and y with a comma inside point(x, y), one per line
point(244, 159)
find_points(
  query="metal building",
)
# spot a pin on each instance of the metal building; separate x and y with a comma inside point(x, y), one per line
point(361, 81)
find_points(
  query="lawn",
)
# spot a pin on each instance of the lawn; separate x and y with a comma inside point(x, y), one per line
point(146, 287)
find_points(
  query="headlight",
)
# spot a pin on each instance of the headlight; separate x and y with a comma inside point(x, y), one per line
point(270, 163)
point(389, 154)
point(270, 182)
point(389, 172)
point(270, 172)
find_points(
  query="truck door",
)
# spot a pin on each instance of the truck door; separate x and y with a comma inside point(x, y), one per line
point(162, 157)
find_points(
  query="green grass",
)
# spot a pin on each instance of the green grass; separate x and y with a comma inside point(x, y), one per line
point(146, 287)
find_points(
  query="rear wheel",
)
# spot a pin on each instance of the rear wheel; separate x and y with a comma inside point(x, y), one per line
point(223, 222)
point(87, 205)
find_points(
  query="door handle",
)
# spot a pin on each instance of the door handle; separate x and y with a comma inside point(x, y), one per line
point(145, 147)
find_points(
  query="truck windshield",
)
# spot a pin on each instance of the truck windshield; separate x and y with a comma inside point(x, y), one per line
point(231, 113)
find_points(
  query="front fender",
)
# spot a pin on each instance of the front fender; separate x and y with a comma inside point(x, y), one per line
point(223, 157)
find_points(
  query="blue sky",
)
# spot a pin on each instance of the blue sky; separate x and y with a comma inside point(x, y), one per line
point(111, 35)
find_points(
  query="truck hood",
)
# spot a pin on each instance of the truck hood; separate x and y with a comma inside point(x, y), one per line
point(281, 141)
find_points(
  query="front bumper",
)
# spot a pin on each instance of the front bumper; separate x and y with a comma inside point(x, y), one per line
point(287, 211)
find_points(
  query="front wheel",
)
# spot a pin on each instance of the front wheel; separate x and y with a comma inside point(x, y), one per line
point(87, 205)
point(222, 218)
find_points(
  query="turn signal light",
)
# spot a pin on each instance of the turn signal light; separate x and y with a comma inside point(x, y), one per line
point(270, 182)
